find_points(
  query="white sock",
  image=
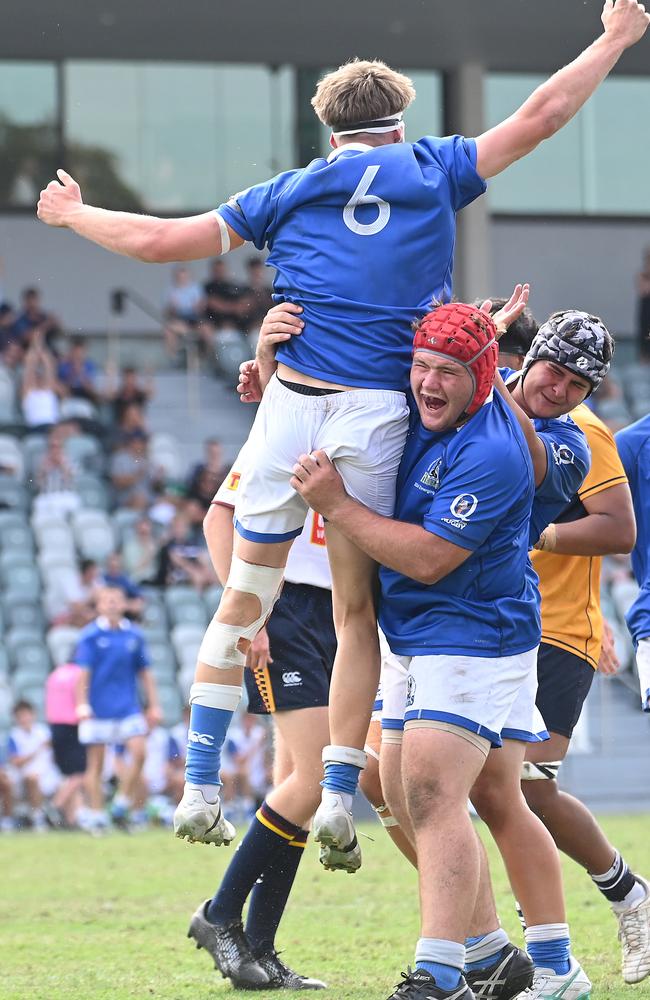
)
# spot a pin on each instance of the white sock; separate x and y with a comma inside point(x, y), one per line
point(209, 792)
point(332, 798)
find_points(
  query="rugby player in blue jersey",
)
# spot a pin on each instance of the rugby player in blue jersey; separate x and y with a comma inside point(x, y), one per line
point(364, 241)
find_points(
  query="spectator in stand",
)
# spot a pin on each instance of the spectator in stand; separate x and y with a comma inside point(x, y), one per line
point(40, 391)
point(248, 744)
point(184, 307)
point(140, 552)
point(164, 771)
point(55, 477)
point(78, 373)
point(183, 559)
point(208, 474)
point(114, 576)
point(257, 299)
point(134, 479)
point(132, 389)
point(69, 754)
point(131, 422)
point(32, 765)
point(113, 657)
point(34, 320)
point(73, 602)
point(643, 307)
point(11, 349)
point(224, 304)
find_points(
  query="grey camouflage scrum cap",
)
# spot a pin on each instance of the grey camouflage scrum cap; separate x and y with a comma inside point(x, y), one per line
point(576, 341)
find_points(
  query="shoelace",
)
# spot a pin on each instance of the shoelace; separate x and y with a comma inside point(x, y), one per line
point(408, 989)
point(539, 982)
point(629, 931)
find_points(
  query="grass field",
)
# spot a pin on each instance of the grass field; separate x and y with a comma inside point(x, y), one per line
point(106, 919)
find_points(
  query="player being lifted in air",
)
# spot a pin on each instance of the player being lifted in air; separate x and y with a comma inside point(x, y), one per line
point(364, 241)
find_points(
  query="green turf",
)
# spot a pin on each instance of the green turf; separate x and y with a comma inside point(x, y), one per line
point(107, 918)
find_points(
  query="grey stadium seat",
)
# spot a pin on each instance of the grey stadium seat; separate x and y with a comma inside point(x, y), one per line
point(62, 642)
point(171, 703)
point(163, 662)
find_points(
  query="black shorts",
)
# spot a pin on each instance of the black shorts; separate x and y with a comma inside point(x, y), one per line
point(303, 646)
point(69, 754)
point(563, 682)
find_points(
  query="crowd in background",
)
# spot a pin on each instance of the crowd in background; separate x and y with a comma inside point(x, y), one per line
point(83, 442)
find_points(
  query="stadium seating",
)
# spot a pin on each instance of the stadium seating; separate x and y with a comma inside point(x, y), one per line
point(61, 642)
point(94, 534)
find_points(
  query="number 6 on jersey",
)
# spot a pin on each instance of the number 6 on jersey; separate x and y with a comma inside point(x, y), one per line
point(361, 197)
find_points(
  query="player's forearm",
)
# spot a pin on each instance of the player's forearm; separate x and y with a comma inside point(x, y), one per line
point(594, 535)
point(137, 236)
point(556, 101)
point(406, 548)
point(150, 689)
point(535, 445)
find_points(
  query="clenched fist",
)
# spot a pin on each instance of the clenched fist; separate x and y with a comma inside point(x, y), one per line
point(59, 200)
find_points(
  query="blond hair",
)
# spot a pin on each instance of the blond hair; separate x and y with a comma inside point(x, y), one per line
point(361, 91)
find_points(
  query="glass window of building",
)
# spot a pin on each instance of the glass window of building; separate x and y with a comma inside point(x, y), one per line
point(593, 166)
point(175, 137)
point(29, 147)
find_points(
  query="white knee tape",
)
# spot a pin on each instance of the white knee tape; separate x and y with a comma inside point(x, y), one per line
point(223, 696)
point(540, 772)
point(344, 755)
point(386, 821)
point(220, 643)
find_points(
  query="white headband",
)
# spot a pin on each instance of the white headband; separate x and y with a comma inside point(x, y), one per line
point(386, 124)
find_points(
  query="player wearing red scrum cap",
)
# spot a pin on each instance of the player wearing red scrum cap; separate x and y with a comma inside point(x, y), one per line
point(457, 609)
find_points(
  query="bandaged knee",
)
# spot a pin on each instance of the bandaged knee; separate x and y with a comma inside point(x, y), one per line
point(221, 643)
point(540, 772)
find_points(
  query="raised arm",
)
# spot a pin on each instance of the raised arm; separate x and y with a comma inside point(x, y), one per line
point(556, 101)
point(143, 237)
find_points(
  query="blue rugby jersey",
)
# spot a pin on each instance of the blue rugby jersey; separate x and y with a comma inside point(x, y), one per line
point(474, 487)
point(363, 241)
point(114, 658)
point(633, 445)
point(568, 460)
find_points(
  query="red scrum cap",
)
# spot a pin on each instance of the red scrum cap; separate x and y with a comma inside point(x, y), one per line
point(467, 336)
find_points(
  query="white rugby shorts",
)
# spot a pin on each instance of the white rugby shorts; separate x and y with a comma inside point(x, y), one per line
point(363, 432)
point(643, 666)
point(493, 697)
point(108, 731)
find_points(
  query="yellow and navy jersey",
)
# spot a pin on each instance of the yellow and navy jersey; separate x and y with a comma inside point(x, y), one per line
point(570, 585)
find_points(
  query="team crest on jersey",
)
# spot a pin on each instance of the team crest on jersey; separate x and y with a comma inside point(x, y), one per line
point(317, 536)
point(463, 506)
point(233, 481)
point(430, 480)
point(410, 691)
point(562, 454)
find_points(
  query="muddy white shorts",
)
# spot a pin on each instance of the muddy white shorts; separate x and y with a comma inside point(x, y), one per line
point(363, 432)
point(493, 697)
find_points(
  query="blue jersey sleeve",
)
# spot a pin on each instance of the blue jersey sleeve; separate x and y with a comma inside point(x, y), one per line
point(142, 660)
point(251, 212)
point(628, 456)
point(457, 157)
point(85, 652)
point(473, 497)
point(568, 460)
point(12, 749)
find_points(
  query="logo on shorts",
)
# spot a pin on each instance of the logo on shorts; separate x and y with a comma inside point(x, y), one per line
point(431, 478)
point(291, 678)
point(562, 454)
point(203, 738)
point(410, 691)
point(233, 481)
point(463, 506)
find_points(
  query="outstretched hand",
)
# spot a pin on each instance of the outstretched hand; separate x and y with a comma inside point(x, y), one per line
point(58, 200)
point(626, 21)
point(511, 311)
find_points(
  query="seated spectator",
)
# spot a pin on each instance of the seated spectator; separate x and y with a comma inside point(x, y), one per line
point(32, 765)
point(224, 304)
point(11, 347)
point(114, 576)
point(69, 754)
point(77, 372)
point(134, 479)
point(184, 307)
point(256, 299)
point(34, 320)
point(184, 559)
point(140, 552)
point(55, 477)
point(207, 476)
point(73, 602)
point(40, 391)
point(131, 422)
point(131, 389)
